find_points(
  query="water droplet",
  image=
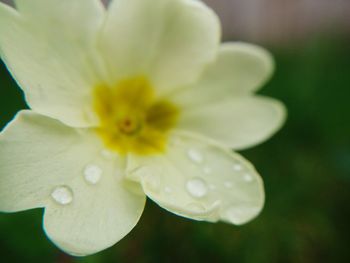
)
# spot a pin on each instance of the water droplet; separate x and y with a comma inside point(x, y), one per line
point(62, 195)
point(92, 174)
point(207, 170)
point(195, 156)
point(228, 184)
point(168, 190)
point(237, 167)
point(152, 182)
point(248, 178)
point(239, 214)
point(196, 207)
point(107, 154)
point(234, 214)
point(197, 187)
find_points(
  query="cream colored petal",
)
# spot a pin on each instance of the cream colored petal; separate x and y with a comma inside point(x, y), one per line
point(49, 47)
point(239, 69)
point(237, 123)
point(94, 210)
point(169, 41)
point(99, 216)
point(36, 154)
point(199, 180)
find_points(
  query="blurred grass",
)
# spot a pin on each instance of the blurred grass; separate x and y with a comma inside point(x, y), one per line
point(306, 169)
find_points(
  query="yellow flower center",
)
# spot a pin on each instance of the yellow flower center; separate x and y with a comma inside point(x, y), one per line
point(131, 117)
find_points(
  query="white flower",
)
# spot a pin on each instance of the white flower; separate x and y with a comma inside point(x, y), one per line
point(134, 101)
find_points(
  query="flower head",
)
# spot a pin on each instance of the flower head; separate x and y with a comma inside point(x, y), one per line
point(133, 101)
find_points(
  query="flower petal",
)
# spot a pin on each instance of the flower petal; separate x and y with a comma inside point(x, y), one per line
point(200, 180)
point(240, 69)
point(99, 216)
point(49, 47)
point(39, 154)
point(237, 123)
point(168, 40)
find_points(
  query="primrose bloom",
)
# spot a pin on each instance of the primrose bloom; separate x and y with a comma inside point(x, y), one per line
point(139, 99)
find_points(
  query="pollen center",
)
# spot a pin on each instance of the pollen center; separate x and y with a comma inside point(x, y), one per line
point(131, 117)
point(129, 125)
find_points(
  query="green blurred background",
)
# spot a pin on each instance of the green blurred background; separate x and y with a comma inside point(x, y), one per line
point(306, 170)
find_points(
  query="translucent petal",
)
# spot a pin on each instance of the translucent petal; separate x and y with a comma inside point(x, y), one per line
point(239, 70)
point(237, 123)
point(49, 47)
point(46, 164)
point(197, 179)
point(168, 40)
point(38, 153)
point(99, 215)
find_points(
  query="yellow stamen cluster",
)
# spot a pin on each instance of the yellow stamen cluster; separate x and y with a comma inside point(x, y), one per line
point(131, 117)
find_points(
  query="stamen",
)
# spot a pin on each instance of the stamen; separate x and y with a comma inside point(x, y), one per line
point(131, 117)
point(129, 126)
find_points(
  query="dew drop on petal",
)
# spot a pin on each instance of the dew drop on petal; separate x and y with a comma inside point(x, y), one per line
point(228, 184)
point(248, 178)
point(237, 214)
point(153, 182)
point(107, 154)
point(233, 214)
point(92, 173)
point(207, 170)
point(195, 156)
point(168, 190)
point(197, 187)
point(237, 167)
point(63, 195)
